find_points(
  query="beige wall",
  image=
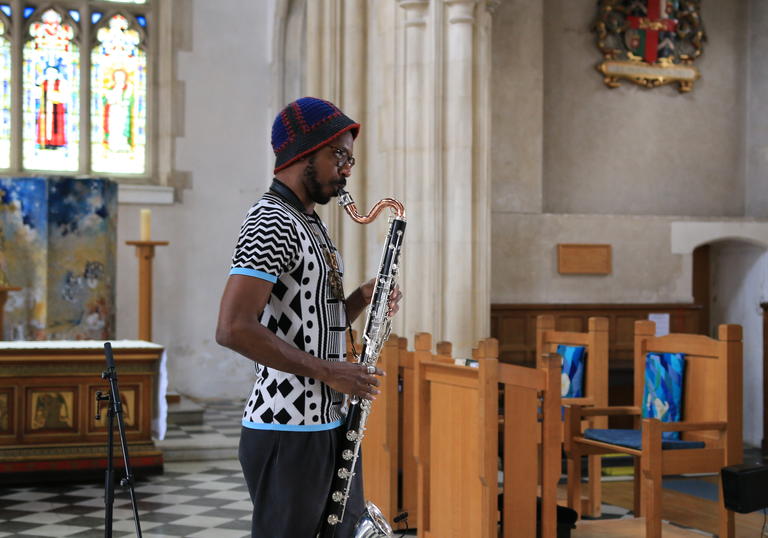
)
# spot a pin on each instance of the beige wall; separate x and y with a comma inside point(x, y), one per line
point(565, 147)
point(634, 151)
point(524, 260)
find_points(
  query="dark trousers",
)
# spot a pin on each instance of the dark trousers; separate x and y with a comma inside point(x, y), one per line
point(289, 478)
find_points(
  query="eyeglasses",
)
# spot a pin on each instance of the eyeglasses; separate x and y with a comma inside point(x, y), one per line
point(343, 158)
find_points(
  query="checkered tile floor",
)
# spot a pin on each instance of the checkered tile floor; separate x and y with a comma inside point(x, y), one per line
point(206, 499)
point(191, 499)
point(221, 418)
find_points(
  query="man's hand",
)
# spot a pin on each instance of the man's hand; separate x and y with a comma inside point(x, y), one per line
point(394, 300)
point(366, 292)
point(353, 379)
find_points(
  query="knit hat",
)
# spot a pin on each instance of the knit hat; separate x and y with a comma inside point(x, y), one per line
point(306, 125)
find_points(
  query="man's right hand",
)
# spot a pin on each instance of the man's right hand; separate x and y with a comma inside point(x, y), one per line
point(353, 379)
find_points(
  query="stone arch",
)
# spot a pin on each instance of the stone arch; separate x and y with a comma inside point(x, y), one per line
point(687, 236)
point(730, 270)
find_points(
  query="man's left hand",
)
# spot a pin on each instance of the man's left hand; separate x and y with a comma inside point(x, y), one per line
point(395, 296)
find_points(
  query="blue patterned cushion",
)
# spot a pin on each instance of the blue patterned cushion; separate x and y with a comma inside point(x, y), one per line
point(572, 378)
point(663, 392)
point(634, 438)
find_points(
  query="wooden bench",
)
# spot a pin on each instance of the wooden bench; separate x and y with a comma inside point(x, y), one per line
point(457, 444)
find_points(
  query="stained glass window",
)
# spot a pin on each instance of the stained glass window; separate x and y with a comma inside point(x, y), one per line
point(118, 99)
point(5, 95)
point(77, 98)
point(51, 94)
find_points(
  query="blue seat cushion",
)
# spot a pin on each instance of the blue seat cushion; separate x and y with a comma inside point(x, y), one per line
point(572, 380)
point(633, 439)
point(663, 388)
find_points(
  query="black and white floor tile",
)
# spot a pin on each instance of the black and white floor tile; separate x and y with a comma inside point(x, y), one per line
point(205, 499)
point(221, 418)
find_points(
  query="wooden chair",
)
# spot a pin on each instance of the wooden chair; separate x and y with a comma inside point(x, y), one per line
point(595, 383)
point(711, 415)
point(457, 444)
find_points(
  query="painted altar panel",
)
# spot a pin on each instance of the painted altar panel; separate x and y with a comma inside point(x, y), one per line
point(58, 244)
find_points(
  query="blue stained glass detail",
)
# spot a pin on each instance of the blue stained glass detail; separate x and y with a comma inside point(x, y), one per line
point(5, 8)
point(28, 11)
point(75, 14)
point(96, 17)
point(142, 20)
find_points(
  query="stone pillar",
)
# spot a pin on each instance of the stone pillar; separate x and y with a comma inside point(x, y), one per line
point(416, 74)
point(458, 230)
point(420, 252)
point(351, 237)
point(336, 59)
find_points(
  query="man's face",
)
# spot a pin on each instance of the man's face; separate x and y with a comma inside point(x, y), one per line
point(323, 177)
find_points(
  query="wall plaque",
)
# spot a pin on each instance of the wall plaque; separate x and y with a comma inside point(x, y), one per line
point(573, 259)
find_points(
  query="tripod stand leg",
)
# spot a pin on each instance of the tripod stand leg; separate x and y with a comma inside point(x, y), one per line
point(116, 410)
point(109, 475)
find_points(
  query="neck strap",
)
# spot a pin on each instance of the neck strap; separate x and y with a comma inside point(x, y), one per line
point(283, 191)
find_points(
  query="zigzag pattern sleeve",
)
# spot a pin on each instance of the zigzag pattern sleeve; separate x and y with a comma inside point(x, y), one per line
point(268, 245)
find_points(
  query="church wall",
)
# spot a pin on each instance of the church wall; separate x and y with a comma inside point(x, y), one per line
point(634, 151)
point(524, 260)
point(757, 112)
point(225, 149)
point(517, 97)
point(640, 158)
point(621, 151)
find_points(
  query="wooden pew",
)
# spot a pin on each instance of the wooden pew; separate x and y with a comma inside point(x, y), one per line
point(389, 465)
point(457, 444)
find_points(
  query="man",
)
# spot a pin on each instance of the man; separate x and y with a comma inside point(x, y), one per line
point(283, 307)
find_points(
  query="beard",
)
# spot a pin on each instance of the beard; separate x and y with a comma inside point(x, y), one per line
point(314, 187)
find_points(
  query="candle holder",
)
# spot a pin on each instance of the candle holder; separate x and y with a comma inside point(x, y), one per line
point(145, 251)
point(4, 289)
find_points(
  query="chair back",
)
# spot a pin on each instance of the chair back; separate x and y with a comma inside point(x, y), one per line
point(712, 383)
point(595, 342)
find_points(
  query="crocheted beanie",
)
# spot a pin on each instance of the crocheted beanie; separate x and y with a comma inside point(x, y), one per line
point(304, 126)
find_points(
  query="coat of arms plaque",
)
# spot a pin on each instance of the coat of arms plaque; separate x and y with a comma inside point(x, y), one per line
point(650, 42)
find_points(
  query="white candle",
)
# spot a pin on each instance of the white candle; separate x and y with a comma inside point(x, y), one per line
point(145, 224)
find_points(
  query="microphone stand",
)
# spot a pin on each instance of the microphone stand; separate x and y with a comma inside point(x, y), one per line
point(115, 410)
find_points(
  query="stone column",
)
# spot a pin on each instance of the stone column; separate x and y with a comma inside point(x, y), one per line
point(457, 225)
point(419, 255)
point(336, 53)
point(351, 236)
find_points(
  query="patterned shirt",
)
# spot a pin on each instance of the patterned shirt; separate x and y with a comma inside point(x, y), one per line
point(291, 249)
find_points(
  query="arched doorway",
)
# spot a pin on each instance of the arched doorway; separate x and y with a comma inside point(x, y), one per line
point(730, 281)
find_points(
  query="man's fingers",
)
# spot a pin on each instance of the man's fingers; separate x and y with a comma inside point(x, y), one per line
point(373, 381)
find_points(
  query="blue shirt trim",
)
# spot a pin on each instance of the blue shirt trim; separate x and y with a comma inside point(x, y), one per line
point(292, 427)
point(253, 272)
